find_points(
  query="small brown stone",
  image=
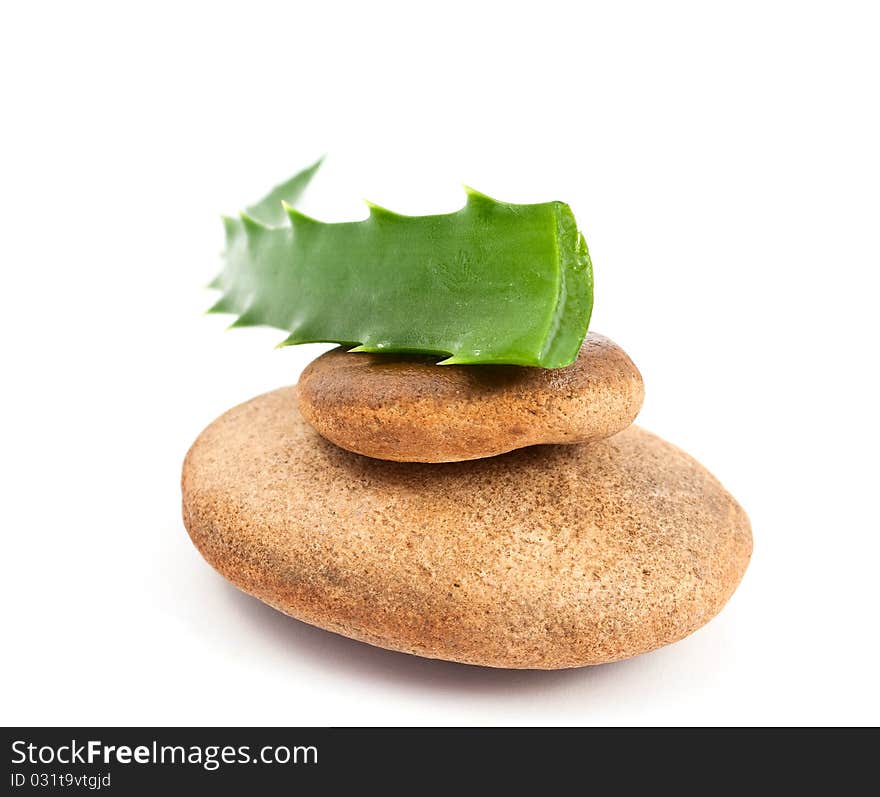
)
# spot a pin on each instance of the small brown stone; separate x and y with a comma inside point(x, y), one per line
point(547, 557)
point(407, 408)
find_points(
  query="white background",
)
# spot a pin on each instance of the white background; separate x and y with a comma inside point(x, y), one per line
point(722, 159)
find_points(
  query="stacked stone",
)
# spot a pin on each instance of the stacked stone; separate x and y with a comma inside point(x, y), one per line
point(494, 515)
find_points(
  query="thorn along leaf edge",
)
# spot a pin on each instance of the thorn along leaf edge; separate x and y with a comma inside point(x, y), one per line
point(491, 283)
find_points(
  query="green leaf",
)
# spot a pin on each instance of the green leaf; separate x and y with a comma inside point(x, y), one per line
point(490, 283)
point(270, 209)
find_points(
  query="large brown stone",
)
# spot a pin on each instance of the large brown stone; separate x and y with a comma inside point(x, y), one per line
point(547, 557)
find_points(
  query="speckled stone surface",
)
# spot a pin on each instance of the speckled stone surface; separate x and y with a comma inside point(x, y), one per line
point(408, 409)
point(547, 557)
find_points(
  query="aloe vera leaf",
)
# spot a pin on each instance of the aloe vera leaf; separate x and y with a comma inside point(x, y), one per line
point(270, 209)
point(491, 283)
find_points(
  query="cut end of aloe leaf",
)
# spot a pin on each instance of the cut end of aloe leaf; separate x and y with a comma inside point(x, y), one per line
point(494, 282)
